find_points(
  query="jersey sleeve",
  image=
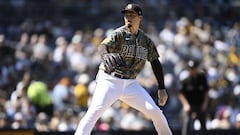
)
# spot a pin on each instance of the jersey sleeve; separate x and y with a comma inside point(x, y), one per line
point(152, 51)
point(111, 41)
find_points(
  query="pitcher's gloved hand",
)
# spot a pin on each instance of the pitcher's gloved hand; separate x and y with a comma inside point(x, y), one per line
point(111, 61)
point(162, 97)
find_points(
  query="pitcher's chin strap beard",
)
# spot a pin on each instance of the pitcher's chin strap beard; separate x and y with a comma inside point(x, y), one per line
point(129, 25)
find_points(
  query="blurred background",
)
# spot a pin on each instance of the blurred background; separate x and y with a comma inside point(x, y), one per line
point(49, 60)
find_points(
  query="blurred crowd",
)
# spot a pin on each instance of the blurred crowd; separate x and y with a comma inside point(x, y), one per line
point(47, 71)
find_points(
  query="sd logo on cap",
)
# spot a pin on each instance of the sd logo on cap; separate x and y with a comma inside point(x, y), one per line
point(133, 7)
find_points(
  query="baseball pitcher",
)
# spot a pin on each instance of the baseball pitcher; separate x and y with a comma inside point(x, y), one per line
point(124, 54)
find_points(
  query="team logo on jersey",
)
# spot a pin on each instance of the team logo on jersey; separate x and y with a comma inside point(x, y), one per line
point(134, 51)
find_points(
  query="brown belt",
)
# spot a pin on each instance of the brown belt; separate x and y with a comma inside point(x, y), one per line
point(118, 75)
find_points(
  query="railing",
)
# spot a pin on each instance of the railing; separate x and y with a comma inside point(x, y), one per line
point(175, 132)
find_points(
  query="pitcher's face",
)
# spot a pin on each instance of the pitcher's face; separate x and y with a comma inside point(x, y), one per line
point(131, 18)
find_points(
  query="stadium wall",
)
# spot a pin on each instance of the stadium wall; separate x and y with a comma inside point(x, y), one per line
point(175, 132)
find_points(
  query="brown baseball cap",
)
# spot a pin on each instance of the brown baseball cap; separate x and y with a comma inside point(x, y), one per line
point(133, 7)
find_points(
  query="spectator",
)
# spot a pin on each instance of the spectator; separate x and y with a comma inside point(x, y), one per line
point(7, 61)
point(77, 60)
point(40, 50)
point(54, 121)
point(67, 122)
point(4, 122)
point(238, 121)
point(167, 34)
point(81, 92)
point(19, 94)
point(61, 95)
point(22, 53)
point(18, 121)
point(41, 123)
point(60, 51)
point(225, 120)
point(38, 93)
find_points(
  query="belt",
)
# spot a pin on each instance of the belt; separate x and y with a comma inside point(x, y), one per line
point(118, 75)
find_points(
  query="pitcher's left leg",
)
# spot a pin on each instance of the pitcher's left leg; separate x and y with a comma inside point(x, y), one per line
point(138, 98)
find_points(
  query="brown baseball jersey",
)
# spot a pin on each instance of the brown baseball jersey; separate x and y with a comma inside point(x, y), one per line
point(134, 49)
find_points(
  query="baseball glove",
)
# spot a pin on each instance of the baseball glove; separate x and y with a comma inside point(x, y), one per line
point(111, 61)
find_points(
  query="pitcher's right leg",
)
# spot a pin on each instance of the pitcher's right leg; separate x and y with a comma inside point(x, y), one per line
point(106, 93)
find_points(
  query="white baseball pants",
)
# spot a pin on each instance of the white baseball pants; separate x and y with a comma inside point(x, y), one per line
point(108, 90)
